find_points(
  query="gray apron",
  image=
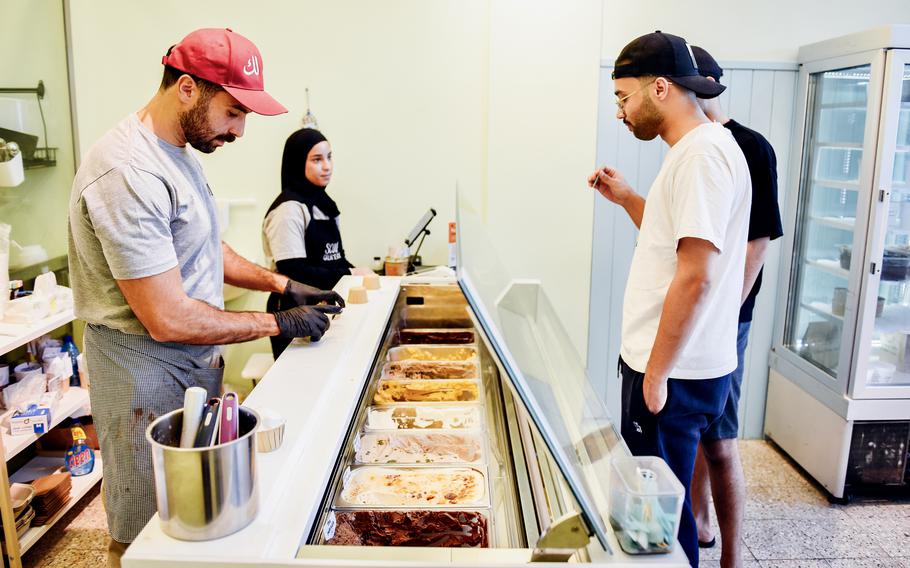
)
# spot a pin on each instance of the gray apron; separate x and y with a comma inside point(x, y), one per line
point(134, 380)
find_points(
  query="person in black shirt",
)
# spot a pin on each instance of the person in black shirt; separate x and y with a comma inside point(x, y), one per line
point(301, 237)
point(718, 469)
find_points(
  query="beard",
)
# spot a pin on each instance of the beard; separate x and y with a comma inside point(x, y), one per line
point(647, 121)
point(196, 129)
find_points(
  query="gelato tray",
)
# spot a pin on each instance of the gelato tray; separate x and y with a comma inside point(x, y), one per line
point(433, 353)
point(427, 390)
point(419, 447)
point(435, 336)
point(411, 369)
point(438, 528)
point(422, 417)
point(376, 486)
point(435, 316)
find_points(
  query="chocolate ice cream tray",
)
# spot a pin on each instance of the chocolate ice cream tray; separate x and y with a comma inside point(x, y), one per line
point(432, 527)
point(436, 336)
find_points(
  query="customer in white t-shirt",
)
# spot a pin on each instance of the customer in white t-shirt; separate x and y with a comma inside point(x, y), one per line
point(681, 307)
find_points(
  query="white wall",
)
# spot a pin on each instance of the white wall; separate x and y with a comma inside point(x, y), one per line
point(770, 30)
point(542, 139)
point(33, 33)
point(414, 95)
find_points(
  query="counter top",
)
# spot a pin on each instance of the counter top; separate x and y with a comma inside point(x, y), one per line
point(312, 386)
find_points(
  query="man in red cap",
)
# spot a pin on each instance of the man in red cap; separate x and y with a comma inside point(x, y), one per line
point(147, 265)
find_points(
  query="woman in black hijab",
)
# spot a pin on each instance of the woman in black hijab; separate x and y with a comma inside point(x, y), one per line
point(300, 234)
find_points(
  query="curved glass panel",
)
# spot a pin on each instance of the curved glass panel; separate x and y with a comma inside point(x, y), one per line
point(545, 370)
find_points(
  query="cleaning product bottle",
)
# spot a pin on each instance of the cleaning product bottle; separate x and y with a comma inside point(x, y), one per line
point(80, 459)
point(69, 346)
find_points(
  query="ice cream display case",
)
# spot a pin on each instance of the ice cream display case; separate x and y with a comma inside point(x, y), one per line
point(447, 421)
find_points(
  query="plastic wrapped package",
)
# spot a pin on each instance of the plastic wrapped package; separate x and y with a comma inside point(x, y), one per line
point(21, 394)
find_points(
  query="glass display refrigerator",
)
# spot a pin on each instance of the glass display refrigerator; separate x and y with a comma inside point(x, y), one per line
point(839, 388)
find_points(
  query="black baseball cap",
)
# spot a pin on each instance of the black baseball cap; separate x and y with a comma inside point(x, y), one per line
point(664, 55)
point(707, 65)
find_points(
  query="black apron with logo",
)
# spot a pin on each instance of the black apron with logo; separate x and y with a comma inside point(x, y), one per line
point(322, 240)
point(323, 243)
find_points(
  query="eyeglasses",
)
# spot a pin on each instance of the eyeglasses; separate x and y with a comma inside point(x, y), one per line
point(621, 102)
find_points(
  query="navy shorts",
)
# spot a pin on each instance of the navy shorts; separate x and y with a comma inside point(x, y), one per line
point(727, 425)
point(674, 433)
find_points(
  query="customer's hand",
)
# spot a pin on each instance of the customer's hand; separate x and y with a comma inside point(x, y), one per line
point(655, 393)
point(359, 271)
point(610, 183)
point(303, 295)
point(305, 321)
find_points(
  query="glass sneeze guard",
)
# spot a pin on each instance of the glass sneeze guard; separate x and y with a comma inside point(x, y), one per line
point(544, 368)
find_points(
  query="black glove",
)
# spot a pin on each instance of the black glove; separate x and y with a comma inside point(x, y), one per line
point(305, 321)
point(303, 295)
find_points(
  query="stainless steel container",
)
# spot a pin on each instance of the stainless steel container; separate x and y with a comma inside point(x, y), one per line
point(204, 493)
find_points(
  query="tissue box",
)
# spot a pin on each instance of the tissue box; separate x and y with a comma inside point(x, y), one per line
point(645, 504)
point(35, 420)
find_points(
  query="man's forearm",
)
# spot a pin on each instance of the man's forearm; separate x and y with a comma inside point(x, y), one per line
point(240, 272)
point(635, 207)
point(197, 323)
point(755, 258)
point(682, 306)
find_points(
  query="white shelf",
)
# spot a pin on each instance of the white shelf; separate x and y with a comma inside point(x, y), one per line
point(822, 309)
point(842, 223)
point(836, 183)
point(43, 465)
point(830, 266)
point(73, 400)
point(13, 335)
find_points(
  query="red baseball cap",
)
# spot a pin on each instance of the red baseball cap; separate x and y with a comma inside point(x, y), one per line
point(225, 58)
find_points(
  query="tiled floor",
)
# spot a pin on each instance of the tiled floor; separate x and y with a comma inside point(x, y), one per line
point(789, 524)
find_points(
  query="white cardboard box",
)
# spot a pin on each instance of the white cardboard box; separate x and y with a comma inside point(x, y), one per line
point(35, 420)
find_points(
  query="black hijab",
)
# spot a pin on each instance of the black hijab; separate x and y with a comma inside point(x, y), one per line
point(294, 183)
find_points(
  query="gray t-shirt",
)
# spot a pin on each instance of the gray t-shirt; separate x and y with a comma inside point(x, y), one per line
point(140, 207)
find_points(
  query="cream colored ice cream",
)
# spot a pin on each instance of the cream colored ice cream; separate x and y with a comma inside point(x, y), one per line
point(426, 391)
point(418, 447)
point(401, 487)
point(433, 353)
point(423, 417)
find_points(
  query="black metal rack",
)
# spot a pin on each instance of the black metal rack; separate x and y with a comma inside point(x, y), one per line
point(43, 156)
